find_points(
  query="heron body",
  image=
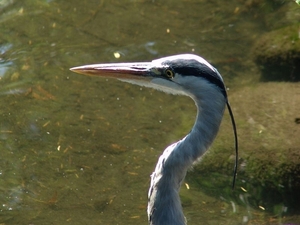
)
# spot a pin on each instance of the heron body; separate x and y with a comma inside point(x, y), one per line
point(185, 74)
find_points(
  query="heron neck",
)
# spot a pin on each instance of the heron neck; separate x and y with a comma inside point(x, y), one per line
point(189, 150)
point(164, 205)
point(209, 116)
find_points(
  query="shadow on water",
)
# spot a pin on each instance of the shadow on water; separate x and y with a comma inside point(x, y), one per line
point(80, 150)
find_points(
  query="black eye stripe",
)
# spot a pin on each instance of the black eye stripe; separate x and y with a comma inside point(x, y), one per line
point(204, 72)
point(194, 68)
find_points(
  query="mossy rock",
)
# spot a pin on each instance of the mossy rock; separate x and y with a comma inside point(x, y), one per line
point(269, 157)
point(278, 54)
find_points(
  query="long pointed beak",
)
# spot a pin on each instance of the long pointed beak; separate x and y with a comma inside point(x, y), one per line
point(136, 71)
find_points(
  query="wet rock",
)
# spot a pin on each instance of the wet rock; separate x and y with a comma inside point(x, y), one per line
point(278, 54)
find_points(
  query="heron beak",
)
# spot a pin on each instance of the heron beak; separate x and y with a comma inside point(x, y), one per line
point(135, 71)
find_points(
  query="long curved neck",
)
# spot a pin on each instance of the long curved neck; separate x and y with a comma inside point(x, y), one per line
point(164, 207)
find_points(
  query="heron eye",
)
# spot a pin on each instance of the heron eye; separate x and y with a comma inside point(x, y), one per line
point(169, 73)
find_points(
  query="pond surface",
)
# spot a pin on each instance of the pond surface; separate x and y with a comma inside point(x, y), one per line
point(79, 150)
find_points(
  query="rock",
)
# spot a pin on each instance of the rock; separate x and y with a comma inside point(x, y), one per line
point(278, 54)
point(269, 154)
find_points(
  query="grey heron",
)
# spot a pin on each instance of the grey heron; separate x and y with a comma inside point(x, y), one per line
point(189, 75)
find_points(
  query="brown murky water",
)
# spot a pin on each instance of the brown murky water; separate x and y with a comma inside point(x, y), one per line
point(79, 150)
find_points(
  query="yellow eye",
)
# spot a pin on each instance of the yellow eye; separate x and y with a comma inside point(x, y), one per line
point(169, 73)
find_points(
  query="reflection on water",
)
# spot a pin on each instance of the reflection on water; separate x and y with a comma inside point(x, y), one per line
point(80, 150)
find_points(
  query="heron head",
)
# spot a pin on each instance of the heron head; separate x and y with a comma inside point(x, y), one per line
point(178, 74)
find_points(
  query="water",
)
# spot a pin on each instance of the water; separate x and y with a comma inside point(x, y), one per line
point(79, 150)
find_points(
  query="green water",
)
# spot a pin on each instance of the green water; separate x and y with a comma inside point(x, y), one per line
point(79, 150)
